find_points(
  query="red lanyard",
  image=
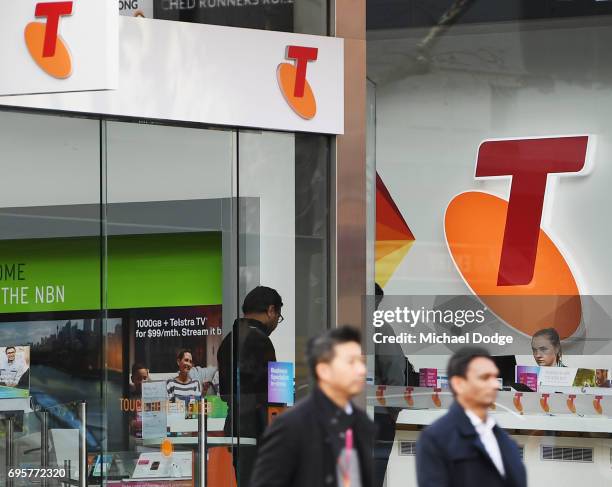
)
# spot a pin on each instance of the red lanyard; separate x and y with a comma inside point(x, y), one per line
point(348, 450)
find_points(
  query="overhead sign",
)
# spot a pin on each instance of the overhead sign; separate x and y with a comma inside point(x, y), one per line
point(58, 46)
point(209, 74)
point(292, 81)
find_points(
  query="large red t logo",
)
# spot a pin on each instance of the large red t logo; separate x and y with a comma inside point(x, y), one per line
point(302, 55)
point(53, 11)
point(528, 162)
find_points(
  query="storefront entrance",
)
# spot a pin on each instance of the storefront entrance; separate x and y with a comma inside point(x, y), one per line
point(126, 249)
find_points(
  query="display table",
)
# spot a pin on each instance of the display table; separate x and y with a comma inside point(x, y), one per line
point(552, 411)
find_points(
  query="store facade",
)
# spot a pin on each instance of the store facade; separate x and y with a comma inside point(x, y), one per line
point(135, 220)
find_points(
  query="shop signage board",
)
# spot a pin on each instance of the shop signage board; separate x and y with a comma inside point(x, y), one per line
point(58, 46)
point(63, 274)
point(177, 71)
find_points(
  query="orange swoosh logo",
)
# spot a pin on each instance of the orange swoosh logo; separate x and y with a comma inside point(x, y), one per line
point(60, 64)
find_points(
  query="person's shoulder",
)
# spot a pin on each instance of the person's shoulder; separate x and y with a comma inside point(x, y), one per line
point(502, 434)
point(226, 341)
point(442, 427)
point(196, 372)
point(256, 339)
point(294, 418)
point(256, 333)
point(302, 407)
point(363, 417)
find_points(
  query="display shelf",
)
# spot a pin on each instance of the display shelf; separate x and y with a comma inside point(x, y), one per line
point(512, 410)
point(515, 421)
point(210, 440)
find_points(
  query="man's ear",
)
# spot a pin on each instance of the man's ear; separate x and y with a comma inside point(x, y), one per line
point(323, 371)
point(457, 383)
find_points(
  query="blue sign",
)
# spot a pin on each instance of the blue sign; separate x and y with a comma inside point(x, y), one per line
point(280, 383)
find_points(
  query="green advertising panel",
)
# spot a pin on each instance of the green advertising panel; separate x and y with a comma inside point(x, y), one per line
point(63, 274)
point(49, 274)
point(147, 271)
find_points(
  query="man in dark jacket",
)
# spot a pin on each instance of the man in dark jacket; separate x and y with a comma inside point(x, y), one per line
point(465, 448)
point(243, 358)
point(324, 441)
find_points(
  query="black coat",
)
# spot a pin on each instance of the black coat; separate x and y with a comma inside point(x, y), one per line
point(247, 349)
point(450, 454)
point(300, 448)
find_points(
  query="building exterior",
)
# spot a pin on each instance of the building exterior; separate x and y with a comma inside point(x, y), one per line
point(313, 147)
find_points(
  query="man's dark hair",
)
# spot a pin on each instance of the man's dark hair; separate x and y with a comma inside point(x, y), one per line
point(181, 354)
point(7, 349)
point(320, 349)
point(379, 294)
point(136, 367)
point(460, 361)
point(260, 298)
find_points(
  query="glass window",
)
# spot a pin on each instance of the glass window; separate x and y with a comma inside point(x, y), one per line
point(126, 253)
point(50, 320)
point(168, 268)
point(283, 183)
point(301, 16)
point(462, 95)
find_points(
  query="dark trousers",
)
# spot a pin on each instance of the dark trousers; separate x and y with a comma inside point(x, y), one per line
point(385, 424)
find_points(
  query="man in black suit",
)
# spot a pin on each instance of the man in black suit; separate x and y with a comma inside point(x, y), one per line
point(324, 441)
point(243, 358)
point(465, 448)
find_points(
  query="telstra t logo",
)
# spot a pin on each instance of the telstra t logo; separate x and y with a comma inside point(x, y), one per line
point(46, 47)
point(498, 246)
point(292, 81)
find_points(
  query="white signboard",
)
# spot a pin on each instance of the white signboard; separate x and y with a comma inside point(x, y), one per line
point(556, 376)
point(58, 46)
point(217, 75)
point(154, 409)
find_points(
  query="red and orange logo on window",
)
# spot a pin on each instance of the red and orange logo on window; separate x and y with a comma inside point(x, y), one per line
point(47, 48)
point(499, 247)
point(293, 83)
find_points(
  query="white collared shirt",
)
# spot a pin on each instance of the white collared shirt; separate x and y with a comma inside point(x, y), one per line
point(488, 439)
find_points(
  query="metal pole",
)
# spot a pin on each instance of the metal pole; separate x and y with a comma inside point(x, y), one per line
point(202, 444)
point(68, 470)
point(44, 444)
point(205, 443)
point(9, 449)
point(83, 444)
